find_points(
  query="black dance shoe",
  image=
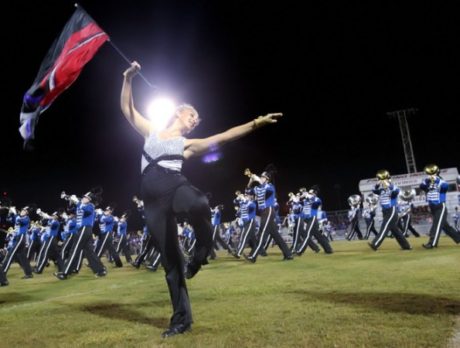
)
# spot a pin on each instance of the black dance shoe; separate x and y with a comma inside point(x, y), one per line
point(372, 246)
point(101, 274)
point(287, 258)
point(250, 258)
point(176, 330)
point(191, 268)
point(5, 283)
point(428, 246)
point(60, 275)
point(27, 276)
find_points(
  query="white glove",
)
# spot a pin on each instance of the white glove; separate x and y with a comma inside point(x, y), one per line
point(74, 199)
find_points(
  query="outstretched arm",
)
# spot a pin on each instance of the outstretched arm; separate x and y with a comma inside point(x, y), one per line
point(194, 147)
point(135, 118)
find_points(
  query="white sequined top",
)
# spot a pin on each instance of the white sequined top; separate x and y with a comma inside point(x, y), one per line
point(156, 147)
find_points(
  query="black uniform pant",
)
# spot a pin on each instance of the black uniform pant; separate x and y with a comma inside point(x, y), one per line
point(105, 242)
point(49, 250)
point(65, 250)
point(439, 213)
point(406, 226)
point(269, 228)
point(20, 252)
point(83, 242)
point(216, 238)
point(167, 195)
point(312, 229)
point(390, 223)
point(354, 229)
point(248, 234)
point(124, 247)
point(370, 228)
point(298, 237)
point(34, 249)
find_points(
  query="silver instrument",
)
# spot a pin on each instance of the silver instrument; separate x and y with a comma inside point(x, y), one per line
point(372, 199)
point(407, 195)
point(354, 200)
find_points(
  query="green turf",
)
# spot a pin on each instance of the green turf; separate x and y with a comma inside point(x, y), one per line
point(353, 298)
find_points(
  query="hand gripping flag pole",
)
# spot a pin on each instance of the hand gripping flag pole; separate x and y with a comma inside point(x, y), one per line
point(78, 42)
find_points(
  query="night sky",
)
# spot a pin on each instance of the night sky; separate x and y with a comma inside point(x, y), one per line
point(334, 70)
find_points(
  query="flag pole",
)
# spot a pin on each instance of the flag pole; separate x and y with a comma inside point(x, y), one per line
point(120, 52)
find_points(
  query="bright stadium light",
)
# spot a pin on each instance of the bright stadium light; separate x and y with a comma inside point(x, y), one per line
point(160, 111)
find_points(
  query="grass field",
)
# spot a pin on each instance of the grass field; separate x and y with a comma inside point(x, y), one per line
point(353, 298)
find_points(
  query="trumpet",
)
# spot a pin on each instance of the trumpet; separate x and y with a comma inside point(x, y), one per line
point(247, 172)
point(70, 198)
point(139, 202)
point(42, 214)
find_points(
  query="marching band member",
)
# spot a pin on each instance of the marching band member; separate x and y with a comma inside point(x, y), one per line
point(405, 212)
point(353, 216)
point(216, 219)
point(84, 237)
point(105, 239)
point(265, 195)
point(70, 230)
point(436, 188)
point(298, 230)
point(34, 241)
point(247, 208)
point(369, 214)
point(456, 218)
point(18, 249)
point(123, 244)
point(388, 196)
point(311, 204)
point(50, 249)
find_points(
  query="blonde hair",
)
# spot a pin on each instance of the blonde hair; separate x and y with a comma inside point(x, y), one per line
point(182, 107)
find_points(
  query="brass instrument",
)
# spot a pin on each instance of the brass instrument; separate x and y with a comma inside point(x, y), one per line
point(70, 198)
point(139, 202)
point(354, 200)
point(383, 174)
point(372, 199)
point(431, 169)
point(407, 195)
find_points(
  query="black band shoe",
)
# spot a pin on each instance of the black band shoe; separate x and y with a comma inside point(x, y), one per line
point(176, 330)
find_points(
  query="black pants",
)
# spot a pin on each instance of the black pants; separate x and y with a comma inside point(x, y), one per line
point(34, 249)
point(248, 234)
point(406, 226)
point(269, 228)
point(105, 242)
point(165, 196)
point(313, 230)
point(439, 213)
point(354, 229)
point(216, 238)
point(49, 250)
point(390, 223)
point(20, 252)
point(83, 242)
point(370, 228)
point(124, 247)
point(298, 237)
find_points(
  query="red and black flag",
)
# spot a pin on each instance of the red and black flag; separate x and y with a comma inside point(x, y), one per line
point(78, 43)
